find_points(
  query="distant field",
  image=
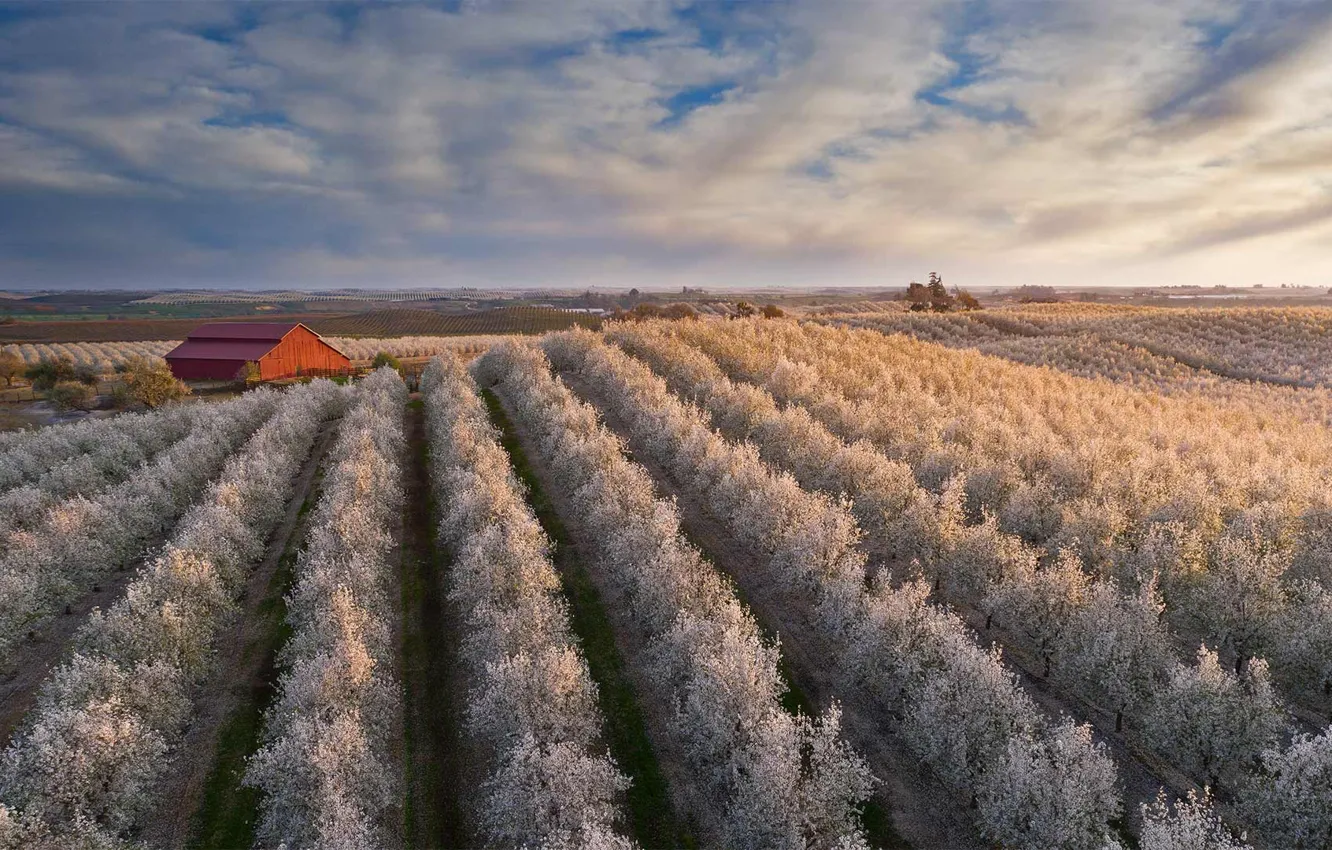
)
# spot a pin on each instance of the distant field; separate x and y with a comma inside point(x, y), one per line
point(378, 323)
point(388, 323)
point(113, 331)
point(1285, 346)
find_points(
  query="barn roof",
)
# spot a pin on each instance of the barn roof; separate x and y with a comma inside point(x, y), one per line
point(273, 331)
point(221, 349)
point(236, 340)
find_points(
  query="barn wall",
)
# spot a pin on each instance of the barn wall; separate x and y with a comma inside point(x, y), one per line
point(205, 370)
point(300, 350)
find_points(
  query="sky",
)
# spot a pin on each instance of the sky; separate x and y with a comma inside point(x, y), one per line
point(659, 143)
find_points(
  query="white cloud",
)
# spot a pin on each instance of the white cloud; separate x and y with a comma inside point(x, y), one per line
point(1075, 139)
point(29, 161)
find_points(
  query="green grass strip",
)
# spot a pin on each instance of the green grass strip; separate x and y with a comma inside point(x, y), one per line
point(229, 812)
point(432, 815)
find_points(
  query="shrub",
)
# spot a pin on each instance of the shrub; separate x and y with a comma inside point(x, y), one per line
point(965, 300)
point(11, 366)
point(383, 358)
point(148, 381)
point(72, 395)
point(47, 373)
point(86, 373)
point(155, 387)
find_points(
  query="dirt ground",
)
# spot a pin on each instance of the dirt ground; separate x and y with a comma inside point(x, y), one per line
point(34, 659)
point(242, 669)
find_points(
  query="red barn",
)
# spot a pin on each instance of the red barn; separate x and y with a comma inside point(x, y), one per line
point(218, 351)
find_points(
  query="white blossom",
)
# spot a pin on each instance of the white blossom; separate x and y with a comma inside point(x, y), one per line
point(1291, 795)
point(961, 707)
point(755, 763)
point(84, 764)
point(1189, 824)
point(326, 764)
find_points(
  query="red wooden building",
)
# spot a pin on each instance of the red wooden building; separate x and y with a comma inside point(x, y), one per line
point(219, 350)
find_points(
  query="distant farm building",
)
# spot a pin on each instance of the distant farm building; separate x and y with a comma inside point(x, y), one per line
point(220, 350)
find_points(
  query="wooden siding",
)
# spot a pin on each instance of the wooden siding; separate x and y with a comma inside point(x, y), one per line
point(300, 352)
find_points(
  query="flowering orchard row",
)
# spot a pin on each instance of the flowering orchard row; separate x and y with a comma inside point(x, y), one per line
point(959, 709)
point(532, 707)
point(81, 771)
point(1282, 345)
point(1226, 509)
point(82, 461)
point(761, 777)
point(1109, 646)
point(82, 539)
point(102, 356)
point(326, 766)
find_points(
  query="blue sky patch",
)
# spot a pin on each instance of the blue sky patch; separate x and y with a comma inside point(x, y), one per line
point(627, 38)
point(685, 101)
point(249, 119)
point(1006, 114)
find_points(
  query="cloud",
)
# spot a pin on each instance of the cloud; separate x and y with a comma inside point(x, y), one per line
point(508, 141)
point(30, 161)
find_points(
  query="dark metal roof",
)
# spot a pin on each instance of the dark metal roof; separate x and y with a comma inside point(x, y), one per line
point(273, 331)
point(221, 349)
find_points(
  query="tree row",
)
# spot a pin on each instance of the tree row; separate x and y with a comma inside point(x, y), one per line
point(761, 777)
point(82, 770)
point(1035, 783)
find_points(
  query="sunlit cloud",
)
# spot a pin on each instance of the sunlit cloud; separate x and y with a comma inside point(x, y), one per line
point(595, 142)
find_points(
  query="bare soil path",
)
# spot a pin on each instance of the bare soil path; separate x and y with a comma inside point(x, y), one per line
point(32, 661)
point(908, 795)
point(434, 765)
point(203, 803)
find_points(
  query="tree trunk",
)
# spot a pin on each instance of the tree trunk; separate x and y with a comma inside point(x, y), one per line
point(1119, 720)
